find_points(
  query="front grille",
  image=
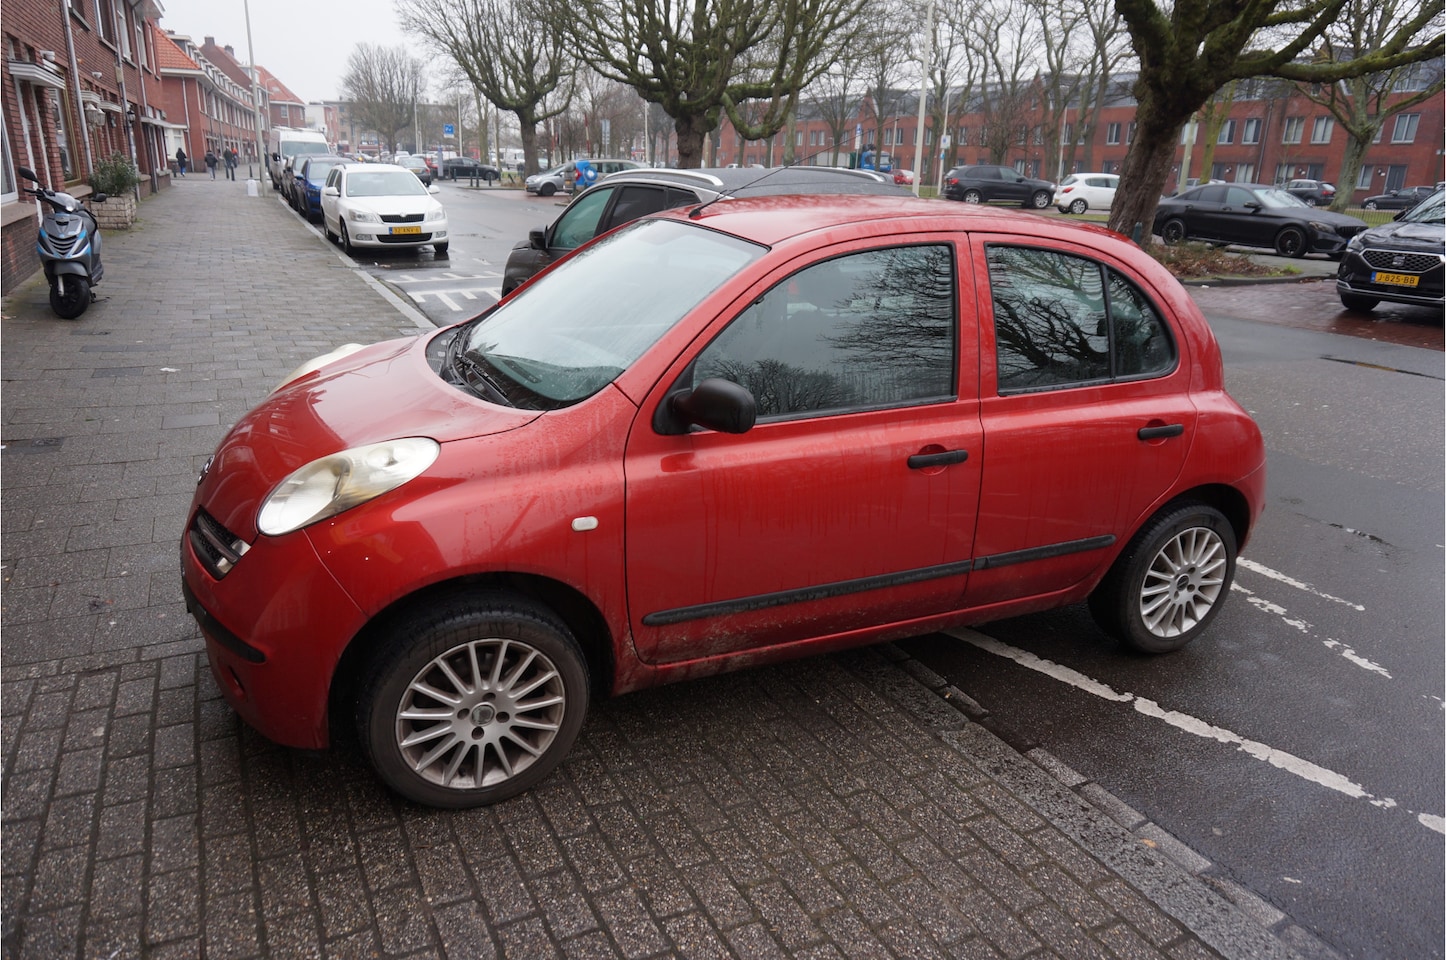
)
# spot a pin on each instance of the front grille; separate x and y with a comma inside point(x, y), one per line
point(401, 218)
point(217, 548)
point(1401, 261)
point(64, 246)
point(405, 238)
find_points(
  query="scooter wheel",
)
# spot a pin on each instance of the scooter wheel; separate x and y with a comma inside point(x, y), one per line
point(71, 303)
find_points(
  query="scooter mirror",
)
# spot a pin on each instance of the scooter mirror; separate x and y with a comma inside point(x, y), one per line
point(27, 174)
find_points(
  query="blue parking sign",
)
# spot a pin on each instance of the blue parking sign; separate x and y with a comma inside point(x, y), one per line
point(448, 130)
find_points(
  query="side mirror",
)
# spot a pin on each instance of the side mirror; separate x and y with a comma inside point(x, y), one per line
point(27, 174)
point(330, 192)
point(715, 403)
point(537, 238)
point(1252, 205)
point(433, 188)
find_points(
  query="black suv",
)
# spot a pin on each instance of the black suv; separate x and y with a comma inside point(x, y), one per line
point(1400, 262)
point(631, 194)
point(990, 183)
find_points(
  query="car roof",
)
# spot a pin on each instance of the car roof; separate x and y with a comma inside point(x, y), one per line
point(770, 220)
point(374, 167)
point(713, 182)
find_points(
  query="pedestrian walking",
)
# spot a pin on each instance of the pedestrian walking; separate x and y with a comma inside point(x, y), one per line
point(180, 163)
point(211, 163)
point(232, 161)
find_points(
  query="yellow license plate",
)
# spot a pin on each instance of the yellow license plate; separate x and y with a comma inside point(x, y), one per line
point(397, 230)
point(1396, 279)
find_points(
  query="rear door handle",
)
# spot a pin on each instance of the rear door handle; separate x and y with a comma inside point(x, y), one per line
point(921, 460)
point(1160, 433)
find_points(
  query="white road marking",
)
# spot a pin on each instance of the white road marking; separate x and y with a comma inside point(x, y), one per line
point(1277, 758)
point(1260, 603)
point(1265, 571)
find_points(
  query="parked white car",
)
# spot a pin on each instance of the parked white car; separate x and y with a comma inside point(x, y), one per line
point(381, 205)
point(1079, 192)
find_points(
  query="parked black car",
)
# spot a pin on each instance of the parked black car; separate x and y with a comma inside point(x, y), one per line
point(630, 194)
point(1254, 215)
point(1403, 261)
point(1403, 199)
point(1316, 193)
point(466, 168)
point(989, 183)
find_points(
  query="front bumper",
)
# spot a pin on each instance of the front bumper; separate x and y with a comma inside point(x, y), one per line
point(1357, 276)
point(275, 625)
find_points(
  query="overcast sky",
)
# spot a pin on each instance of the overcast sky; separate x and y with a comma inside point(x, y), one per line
point(306, 45)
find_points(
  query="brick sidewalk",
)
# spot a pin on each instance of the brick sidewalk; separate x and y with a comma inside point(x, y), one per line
point(836, 807)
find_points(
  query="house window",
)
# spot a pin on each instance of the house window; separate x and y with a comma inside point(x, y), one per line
point(1284, 172)
point(1130, 133)
point(1244, 173)
point(1366, 178)
point(1112, 134)
point(1294, 126)
point(284, 112)
point(1251, 134)
point(9, 191)
point(1405, 129)
point(64, 136)
point(963, 136)
point(1186, 130)
point(1321, 128)
point(105, 20)
point(1227, 132)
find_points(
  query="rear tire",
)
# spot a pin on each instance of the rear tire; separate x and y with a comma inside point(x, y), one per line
point(546, 190)
point(1078, 207)
point(1170, 580)
point(472, 701)
point(1358, 304)
point(73, 301)
point(1038, 200)
point(973, 196)
point(1174, 231)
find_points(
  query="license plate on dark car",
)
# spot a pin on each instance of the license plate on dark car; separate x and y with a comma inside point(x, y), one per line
point(1396, 279)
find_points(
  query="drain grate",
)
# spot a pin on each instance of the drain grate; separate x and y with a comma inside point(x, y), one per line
point(34, 445)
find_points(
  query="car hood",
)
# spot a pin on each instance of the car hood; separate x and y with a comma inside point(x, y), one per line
point(382, 392)
point(1317, 215)
point(1419, 236)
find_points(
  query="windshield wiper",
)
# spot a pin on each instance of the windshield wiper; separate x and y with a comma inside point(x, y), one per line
point(472, 372)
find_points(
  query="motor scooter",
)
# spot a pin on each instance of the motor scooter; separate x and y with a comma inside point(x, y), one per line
point(69, 247)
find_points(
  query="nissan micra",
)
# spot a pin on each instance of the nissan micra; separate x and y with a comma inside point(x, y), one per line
point(717, 437)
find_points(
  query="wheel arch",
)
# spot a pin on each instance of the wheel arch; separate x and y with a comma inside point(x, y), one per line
point(582, 618)
point(1222, 497)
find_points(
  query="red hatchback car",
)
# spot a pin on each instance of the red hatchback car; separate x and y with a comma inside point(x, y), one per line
point(718, 437)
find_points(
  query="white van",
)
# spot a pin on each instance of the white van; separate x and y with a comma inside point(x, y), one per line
point(283, 143)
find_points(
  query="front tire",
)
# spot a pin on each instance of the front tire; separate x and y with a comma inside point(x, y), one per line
point(973, 196)
point(73, 301)
point(1174, 231)
point(1371, 205)
point(345, 237)
point(1170, 581)
point(441, 248)
point(473, 701)
point(1358, 304)
point(1291, 242)
point(1078, 207)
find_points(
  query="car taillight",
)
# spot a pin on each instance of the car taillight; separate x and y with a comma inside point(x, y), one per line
point(1065, 189)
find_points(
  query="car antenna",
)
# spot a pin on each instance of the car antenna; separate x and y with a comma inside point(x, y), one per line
point(697, 211)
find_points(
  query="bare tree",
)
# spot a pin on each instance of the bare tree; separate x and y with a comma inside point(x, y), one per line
point(1362, 105)
point(1007, 41)
point(1188, 49)
point(702, 59)
point(954, 75)
point(384, 85)
point(508, 52)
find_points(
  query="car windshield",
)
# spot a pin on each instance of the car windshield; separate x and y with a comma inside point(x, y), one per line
point(1279, 198)
point(564, 338)
point(1430, 210)
point(384, 183)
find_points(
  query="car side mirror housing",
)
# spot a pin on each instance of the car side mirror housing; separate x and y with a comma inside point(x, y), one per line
point(433, 188)
point(716, 404)
point(537, 238)
point(1252, 205)
point(330, 192)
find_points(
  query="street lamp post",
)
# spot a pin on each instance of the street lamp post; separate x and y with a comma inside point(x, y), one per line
point(255, 89)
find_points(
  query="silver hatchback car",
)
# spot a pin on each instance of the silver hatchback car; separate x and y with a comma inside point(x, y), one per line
point(548, 182)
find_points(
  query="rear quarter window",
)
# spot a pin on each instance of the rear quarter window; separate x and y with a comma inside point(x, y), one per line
point(1062, 320)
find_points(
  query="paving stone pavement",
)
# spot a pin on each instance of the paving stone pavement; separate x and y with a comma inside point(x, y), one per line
point(846, 806)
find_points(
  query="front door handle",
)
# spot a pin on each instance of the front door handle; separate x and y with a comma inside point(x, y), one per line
point(921, 460)
point(1160, 433)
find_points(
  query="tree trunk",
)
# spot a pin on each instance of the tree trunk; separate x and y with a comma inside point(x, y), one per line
point(1147, 167)
point(1351, 164)
point(691, 132)
point(529, 145)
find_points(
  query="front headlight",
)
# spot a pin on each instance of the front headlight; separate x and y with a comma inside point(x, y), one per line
point(1322, 228)
point(331, 485)
point(437, 214)
point(363, 216)
point(1357, 244)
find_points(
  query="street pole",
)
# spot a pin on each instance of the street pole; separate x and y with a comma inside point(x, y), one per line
point(927, 65)
point(255, 92)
